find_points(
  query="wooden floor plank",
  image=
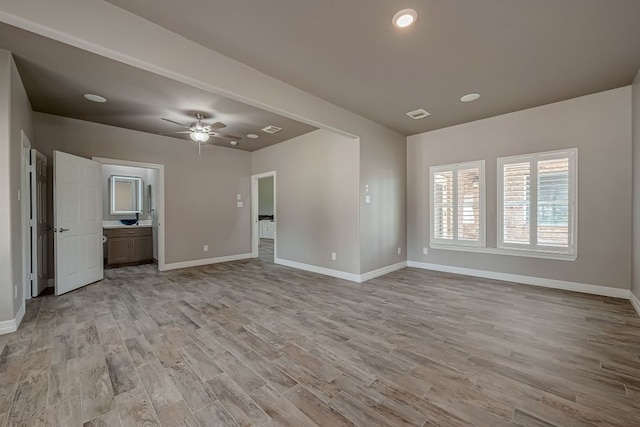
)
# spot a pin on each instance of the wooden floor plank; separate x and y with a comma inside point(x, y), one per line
point(250, 342)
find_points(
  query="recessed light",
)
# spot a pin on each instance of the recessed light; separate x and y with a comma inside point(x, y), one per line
point(470, 97)
point(404, 18)
point(233, 142)
point(252, 136)
point(94, 97)
point(418, 114)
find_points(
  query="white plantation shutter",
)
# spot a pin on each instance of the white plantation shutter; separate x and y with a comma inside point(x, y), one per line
point(443, 205)
point(457, 204)
point(469, 204)
point(553, 202)
point(517, 203)
point(537, 201)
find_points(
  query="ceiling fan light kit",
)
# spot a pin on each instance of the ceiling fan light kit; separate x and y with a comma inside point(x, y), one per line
point(201, 132)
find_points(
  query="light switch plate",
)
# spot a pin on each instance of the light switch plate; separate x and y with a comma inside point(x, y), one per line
point(367, 199)
point(239, 197)
point(239, 204)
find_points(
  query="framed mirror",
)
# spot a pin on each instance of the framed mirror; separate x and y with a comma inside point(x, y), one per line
point(126, 195)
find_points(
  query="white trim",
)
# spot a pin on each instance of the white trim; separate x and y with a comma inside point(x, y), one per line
point(8, 326)
point(635, 302)
point(358, 278)
point(382, 271)
point(255, 231)
point(25, 213)
point(527, 280)
point(160, 200)
point(207, 261)
point(533, 160)
point(321, 270)
point(508, 252)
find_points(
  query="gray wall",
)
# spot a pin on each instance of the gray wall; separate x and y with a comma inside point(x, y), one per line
point(599, 125)
point(200, 192)
point(383, 225)
point(265, 196)
point(15, 116)
point(316, 198)
point(635, 111)
point(383, 222)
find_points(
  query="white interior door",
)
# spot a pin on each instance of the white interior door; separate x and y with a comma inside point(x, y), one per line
point(39, 223)
point(77, 207)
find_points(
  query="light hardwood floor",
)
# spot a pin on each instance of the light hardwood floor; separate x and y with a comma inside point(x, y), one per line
point(253, 343)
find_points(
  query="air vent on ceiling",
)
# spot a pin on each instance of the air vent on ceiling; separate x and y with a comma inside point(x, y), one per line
point(418, 114)
point(271, 129)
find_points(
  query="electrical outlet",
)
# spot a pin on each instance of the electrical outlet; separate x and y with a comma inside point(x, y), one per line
point(239, 204)
point(206, 248)
point(399, 250)
point(333, 256)
point(425, 251)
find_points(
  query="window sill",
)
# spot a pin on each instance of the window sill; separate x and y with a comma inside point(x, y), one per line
point(508, 252)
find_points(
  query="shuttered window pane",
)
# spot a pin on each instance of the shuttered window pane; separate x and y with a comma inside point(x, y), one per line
point(469, 204)
point(517, 203)
point(553, 202)
point(443, 205)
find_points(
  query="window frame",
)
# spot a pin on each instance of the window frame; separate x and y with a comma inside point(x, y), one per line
point(455, 243)
point(533, 248)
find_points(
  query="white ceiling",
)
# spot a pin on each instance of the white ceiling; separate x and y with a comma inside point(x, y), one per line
point(517, 54)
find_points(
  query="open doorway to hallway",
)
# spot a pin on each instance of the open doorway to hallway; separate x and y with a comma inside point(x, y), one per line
point(263, 189)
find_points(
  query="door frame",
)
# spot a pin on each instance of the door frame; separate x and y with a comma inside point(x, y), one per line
point(159, 200)
point(25, 200)
point(255, 231)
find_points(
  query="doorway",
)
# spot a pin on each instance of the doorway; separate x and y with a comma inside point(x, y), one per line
point(264, 229)
point(132, 249)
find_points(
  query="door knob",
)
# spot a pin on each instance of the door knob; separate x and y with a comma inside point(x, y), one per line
point(61, 230)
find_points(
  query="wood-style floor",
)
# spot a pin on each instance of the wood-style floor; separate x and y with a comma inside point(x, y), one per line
point(253, 343)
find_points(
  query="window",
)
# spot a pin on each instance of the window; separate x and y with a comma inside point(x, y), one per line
point(536, 202)
point(457, 204)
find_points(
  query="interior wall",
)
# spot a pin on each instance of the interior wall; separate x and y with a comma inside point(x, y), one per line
point(200, 192)
point(635, 120)
point(383, 221)
point(599, 125)
point(316, 198)
point(265, 196)
point(15, 117)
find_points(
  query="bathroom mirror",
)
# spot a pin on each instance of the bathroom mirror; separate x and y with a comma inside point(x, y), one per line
point(126, 195)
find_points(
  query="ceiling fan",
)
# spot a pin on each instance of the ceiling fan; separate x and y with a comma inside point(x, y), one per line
point(201, 132)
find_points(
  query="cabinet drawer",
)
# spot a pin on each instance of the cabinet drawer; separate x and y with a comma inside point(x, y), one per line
point(128, 232)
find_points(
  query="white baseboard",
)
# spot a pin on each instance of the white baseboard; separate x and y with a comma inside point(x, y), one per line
point(322, 270)
point(635, 302)
point(199, 262)
point(358, 278)
point(382, 271)
point(8, 326)
point(527, 280)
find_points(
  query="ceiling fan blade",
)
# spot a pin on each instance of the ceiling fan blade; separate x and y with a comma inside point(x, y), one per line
point(175, 133)
point(224, 135)
point(216, 125)
point(175, 123)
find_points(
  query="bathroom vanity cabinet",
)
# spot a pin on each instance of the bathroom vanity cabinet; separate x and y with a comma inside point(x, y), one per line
point(129, 245)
